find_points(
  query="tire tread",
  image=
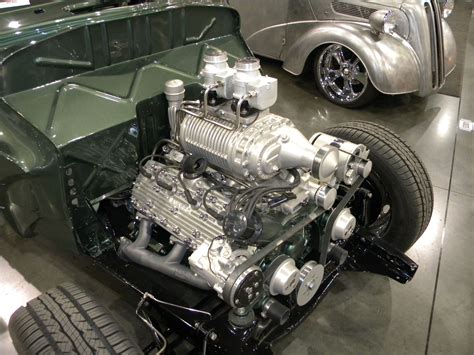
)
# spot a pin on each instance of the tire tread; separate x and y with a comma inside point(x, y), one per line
point(66, 320)
point(410, 171)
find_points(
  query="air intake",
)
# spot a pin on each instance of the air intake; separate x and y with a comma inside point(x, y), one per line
point(345, 8)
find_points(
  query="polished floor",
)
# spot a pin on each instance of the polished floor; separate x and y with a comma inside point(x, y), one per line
point(459, 22)
point(363, 313)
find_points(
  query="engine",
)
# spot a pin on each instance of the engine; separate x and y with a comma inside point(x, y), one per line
point(231, 180)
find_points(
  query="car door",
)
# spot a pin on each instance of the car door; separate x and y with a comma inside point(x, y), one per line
point(263, 24)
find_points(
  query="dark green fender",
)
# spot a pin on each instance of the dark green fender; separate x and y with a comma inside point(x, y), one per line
point(71, 78)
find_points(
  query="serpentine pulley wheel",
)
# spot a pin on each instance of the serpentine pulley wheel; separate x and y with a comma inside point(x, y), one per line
point(342, 77)
point(400, 202)
point(311, 276)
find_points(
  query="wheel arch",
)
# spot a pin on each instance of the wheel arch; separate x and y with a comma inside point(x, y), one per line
point(30, 183)
point(395, 69)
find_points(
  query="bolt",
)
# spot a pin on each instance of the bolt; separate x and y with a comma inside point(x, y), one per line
point(242, 311)
point(213, 336)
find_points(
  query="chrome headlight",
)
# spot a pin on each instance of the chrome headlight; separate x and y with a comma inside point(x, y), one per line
point(447, 7)
point(390, 22)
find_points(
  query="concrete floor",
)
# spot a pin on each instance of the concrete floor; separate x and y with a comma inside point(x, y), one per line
point(363, 313)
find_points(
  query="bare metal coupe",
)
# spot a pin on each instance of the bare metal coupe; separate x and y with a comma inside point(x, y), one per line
point(357, 48)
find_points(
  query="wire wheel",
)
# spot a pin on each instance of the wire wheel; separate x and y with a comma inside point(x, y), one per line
point(342, 77)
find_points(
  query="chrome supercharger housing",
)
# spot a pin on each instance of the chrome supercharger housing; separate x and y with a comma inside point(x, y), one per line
point(230, 166)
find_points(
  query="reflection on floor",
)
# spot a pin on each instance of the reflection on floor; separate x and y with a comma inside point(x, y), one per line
point(13, 3)
point(363, 313)
point(459, 22)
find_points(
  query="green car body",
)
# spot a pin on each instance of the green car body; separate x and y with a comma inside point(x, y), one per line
point(72, 74)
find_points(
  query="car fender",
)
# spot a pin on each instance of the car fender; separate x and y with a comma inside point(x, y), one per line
point(450, 51)
point(392, 65)
point(30, 184)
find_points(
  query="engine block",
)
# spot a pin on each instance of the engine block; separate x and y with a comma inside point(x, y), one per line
point(191, 225)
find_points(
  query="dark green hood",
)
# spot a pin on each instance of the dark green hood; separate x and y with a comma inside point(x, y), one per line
point(69, 87)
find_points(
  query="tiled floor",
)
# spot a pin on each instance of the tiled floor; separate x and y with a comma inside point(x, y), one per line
point(363, 313)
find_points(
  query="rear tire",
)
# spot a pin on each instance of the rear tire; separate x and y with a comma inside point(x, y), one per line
point(399, 172)
point(66, 320)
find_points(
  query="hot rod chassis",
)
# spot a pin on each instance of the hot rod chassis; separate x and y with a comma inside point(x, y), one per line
point(195, 319)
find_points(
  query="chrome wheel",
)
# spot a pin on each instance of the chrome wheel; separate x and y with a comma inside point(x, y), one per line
point(341, 75)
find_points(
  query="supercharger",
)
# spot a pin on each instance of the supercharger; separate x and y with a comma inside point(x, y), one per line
point(229, 166)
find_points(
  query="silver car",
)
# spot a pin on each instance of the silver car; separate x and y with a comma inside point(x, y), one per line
point(357, 48)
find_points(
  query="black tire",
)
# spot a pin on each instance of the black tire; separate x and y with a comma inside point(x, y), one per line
point(367, 94)
point(399, 172)
point(65, 320)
